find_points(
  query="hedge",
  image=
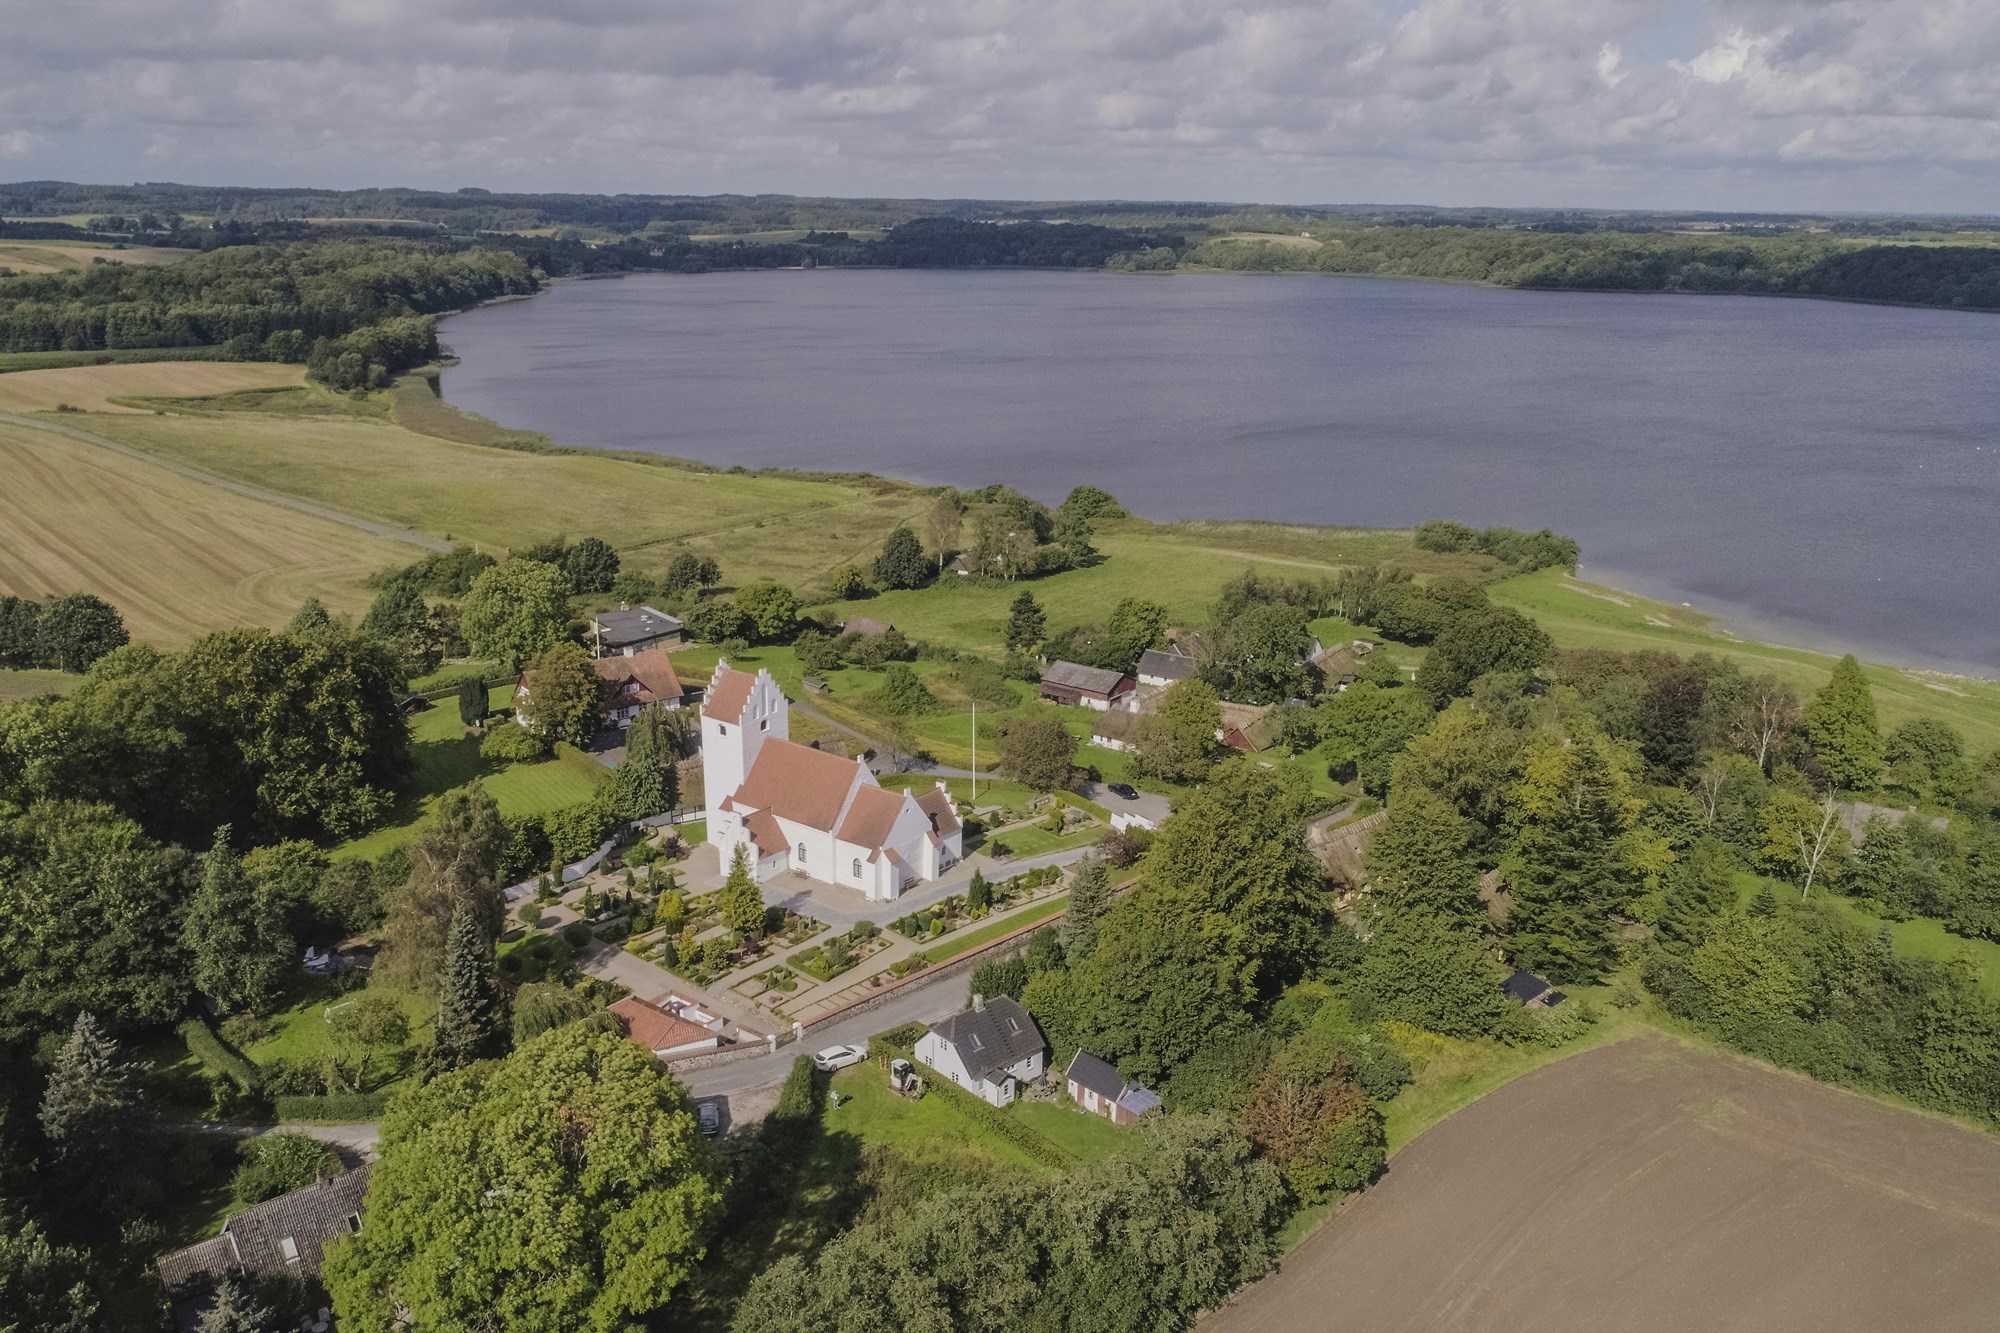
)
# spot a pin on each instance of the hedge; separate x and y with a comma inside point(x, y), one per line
point(1025, 1137)
point(334, 1106)
point(218, 1057)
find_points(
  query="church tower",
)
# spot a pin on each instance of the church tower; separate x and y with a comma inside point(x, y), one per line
point(739, 714)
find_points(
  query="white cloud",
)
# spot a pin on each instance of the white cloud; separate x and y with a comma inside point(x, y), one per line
point(1760, 103)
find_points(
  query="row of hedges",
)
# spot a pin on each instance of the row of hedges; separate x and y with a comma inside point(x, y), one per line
point(902, 1041)
point(333, 1106)
point(218, 1057)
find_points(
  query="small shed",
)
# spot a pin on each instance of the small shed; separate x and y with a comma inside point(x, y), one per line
point(1529, 990)
point(1100, 1089)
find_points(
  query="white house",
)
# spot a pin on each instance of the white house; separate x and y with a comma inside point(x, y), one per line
point(628, 682)
point(791, 807)
point(990, 1050)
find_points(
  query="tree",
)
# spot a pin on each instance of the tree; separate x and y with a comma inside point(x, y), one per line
point(468, 1017)
point(544, 1006)
point(562, 697)
point(473, 703)
point(78, 629)
point(688, 572)
point(902, 563)
point(1093, 502)
point(903, 692)
point(1258, 656)
point(454, 862)
point(236, 933)
point(275, 1164)
point(1364, 727)
point(590, 565)
point(236, 1309)
point(1925, 761)
point(944, 521)
point(1803, 840)
point(44, 1287)
point(716, 620)
point(1430, 971)
point(978, 893)
point(1477, 643)
point(1089, 897)
point(649, 781)
point(1178, 741)
point(848, 583)
point(742, 903)
point(671, 913)
point(515, 610)
point(583, 1117)
point(312, 617)
point(1072, 536)
point(1026, 625)
point(1039, 752)
point(1766, 712)
point(1840, 723)
point(1421, 860)
point(1133, 626)
point(1572, 859)
point(401, 619)
point(1322, 1132)
point(90, 1095)
point(370, 1022)
point(90, 919)
point(1232, 858)
point(772, 609)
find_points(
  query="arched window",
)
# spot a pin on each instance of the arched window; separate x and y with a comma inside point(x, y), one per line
point(800, 851)
point(857, 867)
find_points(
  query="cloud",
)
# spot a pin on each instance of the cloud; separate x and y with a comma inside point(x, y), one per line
point(1745, 104)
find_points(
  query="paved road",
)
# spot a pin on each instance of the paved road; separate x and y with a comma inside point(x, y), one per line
point(355, 1139)
point(926, 1002)
point(201, 474)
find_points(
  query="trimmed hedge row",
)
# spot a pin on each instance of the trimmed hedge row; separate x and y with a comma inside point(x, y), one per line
point(334, 1106)
point(902, 1041)
point(218, 1057)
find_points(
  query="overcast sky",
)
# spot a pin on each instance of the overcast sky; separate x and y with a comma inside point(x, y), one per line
point(1752, 104)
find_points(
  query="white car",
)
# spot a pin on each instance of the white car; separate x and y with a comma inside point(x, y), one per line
point(839, 1057)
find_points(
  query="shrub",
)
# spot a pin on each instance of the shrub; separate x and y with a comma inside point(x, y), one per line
point(216, 1057)
point(576, 934)
point(510, 743)
point(275, 1164)
point(897, 1041)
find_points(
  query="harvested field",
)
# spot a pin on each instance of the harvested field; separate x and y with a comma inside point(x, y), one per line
point(93, 388)
point(64, 256)
point(1654, 1186)
point(175, 556)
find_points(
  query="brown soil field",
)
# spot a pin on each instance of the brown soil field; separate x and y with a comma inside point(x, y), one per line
point(1653, 1186)
point(92, 388)
point(175, 556)
point(62, 256)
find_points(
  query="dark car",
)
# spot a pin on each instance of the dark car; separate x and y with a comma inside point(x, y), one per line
point(1126, 789)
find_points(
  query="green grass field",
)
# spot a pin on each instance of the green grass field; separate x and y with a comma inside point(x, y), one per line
point(1583, 615)
point(992, 931)
point(28, 682)
point(446, 757)
point(301, 1035)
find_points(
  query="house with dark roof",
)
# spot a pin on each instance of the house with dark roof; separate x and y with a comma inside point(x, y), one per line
point(1117, 729)
point(1100, 1089)
point(990, 1050)
point(282, 1237)
point(1525, 988)
point(794, 808)
point(1083, 686)
point(628, 683)
point(633, 629)
point(1165, 666)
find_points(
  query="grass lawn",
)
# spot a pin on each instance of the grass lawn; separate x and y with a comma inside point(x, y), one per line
point(300, 1034)
point(446, 757)
point(993, 930)
point(30, 682)
point(104, 388)
point(1919, 937)
point(1084, 1136)
point(1034, 840)
point(879, 1116)
point(1583, 615)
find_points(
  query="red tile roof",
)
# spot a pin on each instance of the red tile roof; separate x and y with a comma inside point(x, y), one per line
point(652, 671)
point(804, 785)
point(654, 1028)
point(937, 805)
point(764, 831)
point(727, 693)
point(870, 817)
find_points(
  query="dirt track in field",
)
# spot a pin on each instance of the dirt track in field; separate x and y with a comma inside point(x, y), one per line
point(1650, 1186)
point(176, 556)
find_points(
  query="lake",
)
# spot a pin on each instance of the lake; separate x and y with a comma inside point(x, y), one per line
point(1823, 473)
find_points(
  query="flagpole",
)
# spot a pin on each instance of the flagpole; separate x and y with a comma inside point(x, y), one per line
point(975, 749)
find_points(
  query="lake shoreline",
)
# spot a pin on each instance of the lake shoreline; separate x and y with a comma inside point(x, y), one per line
point(685, 441)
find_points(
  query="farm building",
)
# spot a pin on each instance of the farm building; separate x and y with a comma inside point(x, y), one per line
point(989, 1050)
point(1116, 729)
point(1166, 666)
point(279, 1238)
point(1530, 990)
point(1247, 727)
point(631, 630)
point(1102, 1090)
point(1082, 686)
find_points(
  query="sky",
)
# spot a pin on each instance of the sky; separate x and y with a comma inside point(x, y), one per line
point(1773, 105)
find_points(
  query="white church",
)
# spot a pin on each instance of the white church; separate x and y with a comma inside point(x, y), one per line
point(804, 810)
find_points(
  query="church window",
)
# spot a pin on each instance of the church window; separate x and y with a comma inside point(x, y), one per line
point(857, 867)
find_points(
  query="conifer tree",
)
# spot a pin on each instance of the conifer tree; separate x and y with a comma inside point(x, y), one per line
point(1026, 625)
point(236, 932)
point(236, 1309)
point(89, 1092)
point(1089, 895)
point(1421, 859)
point(978, 893)
point(1568, 862)
point(742, 902)
point(1840, 722)
point(468, 1007)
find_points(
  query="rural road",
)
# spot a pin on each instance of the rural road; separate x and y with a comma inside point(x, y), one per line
point(207, 478)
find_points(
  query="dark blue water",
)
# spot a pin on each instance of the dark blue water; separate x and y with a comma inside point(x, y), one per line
point(1823, 472)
